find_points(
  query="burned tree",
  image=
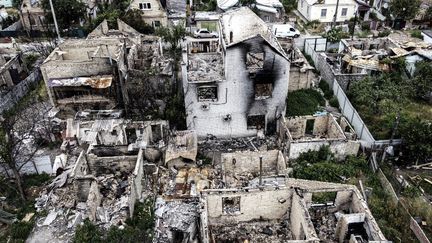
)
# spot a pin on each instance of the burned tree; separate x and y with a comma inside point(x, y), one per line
point(20, 139)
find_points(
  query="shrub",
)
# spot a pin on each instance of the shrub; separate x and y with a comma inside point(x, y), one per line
point(88, 232)
point(334, 102)
point(384, 33)
point(416, 34)
point(304, 102)
point(21, 230)
point(323, 85)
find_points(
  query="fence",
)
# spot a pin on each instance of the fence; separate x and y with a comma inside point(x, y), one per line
point(9, 100)
point(313, 47)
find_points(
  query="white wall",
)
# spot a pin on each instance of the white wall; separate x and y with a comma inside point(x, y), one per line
point(314, 12)
point(427, 38)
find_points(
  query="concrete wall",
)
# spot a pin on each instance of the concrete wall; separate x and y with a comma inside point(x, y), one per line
point(253, 205)
point(324, 126)
point(301, 224)
point(103, 165)
point(341, 148)
point(236, 95)
point(300, 79)
point(9, 100)
point(248, 162)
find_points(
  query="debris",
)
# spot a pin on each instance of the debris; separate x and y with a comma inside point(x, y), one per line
point(28, 217)
point(50, 218)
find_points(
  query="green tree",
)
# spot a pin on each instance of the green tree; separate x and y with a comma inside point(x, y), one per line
point(417, 140)
point(68, 12)
point(134, 19)
point(173, 36)
point(422, 79)
point(404, 9)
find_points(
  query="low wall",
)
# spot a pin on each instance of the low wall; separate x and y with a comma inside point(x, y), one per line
point(9, 100)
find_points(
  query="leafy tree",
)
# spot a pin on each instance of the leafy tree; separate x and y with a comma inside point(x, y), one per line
point(417, 140)
point(336, 34)
point(289, 5)
point(68, 12)
point(134, 19)
point(428, 14)
point(16, 130)
point(173, 35)
point(404, 9)
point(423, 79)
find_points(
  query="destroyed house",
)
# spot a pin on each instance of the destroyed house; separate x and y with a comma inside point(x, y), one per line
point(235, 86)
point(12, 69)
point(86, 74)
point(305, 133)
point(117, 132)
point(294, 212)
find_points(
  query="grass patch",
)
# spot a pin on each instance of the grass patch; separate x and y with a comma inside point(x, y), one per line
point(304, 102)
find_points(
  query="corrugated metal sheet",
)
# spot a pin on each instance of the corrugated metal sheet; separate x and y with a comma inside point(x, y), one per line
point(97, 82)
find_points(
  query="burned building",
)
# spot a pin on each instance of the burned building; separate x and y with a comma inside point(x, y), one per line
point(99, 73)
point(289, 213)
point(12, 69)
point(236, 85)
point(85, 74)
point(304, 133)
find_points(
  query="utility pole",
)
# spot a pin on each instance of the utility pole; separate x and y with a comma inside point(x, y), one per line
point(354, 25)
point(335, 15)
point(55, 20)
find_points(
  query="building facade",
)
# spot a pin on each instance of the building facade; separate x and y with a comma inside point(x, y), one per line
point(152, 12)
point(324, 10)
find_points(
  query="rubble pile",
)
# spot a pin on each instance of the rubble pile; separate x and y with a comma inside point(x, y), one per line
point(262, 231)
point(176, 218)
point(212, 143)
point(325, 224)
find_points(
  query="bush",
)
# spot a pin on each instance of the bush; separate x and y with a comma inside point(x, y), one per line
point(335, 35)
point(88, 232)
point(304, 102)
point(323, 85)
point(416, 34)
point(21, 230)
point(384, 33)
point(334, 102)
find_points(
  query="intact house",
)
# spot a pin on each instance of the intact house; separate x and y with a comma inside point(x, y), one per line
point(236, 85)
point(291, 212)
point(324, 10)
point(152, 12)
point(304, 133)
point(32, 16)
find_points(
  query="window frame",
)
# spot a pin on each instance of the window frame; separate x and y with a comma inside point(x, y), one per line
point(146, 4)
point(346, 12)
point(323, 10)
point(208, 100)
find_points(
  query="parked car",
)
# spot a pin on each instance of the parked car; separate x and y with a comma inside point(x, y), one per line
point(285, 31)
point(204, 33)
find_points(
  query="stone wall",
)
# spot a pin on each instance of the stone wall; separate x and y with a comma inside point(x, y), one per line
point(10, 99)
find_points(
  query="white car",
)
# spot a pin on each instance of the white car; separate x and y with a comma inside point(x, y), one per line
point(204, 33)
point(285, 31)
